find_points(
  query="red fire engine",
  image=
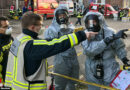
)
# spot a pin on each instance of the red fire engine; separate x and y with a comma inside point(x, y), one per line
point(44, 7)
point(106, 10)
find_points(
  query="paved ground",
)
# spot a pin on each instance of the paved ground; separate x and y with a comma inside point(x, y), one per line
point(117, 25)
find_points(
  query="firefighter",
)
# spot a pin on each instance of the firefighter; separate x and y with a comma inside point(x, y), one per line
point(5, 43)
point(121, 14)
point(79, 16)
point(65, 63)
point(19, 12)
point(101, 66)
point(26, 68)
point(11, 13)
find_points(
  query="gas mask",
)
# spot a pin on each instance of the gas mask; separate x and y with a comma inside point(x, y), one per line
point(63, 22)
point(8, 31)
point(41, 31)
point(92, 23)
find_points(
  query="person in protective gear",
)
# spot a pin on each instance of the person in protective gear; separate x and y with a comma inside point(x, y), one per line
point(65, 63)
point(5, 43)
point(101, 66)
point(26, 68)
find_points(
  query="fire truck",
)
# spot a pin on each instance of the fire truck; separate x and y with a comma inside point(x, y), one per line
point(106, 9)
point(44, 7)
point(70, 6)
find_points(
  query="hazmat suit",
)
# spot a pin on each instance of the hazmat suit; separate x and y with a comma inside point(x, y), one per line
point(101, 66)
point(65, 63)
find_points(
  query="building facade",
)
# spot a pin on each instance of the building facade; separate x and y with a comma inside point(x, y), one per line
point(5, 4)
point(120, 3)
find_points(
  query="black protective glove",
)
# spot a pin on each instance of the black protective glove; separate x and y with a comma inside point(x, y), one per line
point(125, 61)
point(120, 34)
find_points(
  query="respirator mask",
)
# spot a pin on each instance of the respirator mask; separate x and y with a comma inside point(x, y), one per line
point(8, 31)
point(92, 23)
point(63, 22)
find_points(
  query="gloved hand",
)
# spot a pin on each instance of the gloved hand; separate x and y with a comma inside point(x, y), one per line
point(126, 61)
point(120, 34)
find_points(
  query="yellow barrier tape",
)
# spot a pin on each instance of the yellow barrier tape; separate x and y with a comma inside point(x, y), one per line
point(84, 82)
point(125, 67)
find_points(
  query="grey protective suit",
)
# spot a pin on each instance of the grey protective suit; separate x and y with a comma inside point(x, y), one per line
point(65, 63)
point(97, 46)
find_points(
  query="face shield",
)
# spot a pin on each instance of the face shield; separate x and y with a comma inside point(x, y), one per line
point(92, 23)
point(62, 16)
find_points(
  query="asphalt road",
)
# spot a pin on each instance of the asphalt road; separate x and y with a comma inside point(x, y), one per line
point(117, 25)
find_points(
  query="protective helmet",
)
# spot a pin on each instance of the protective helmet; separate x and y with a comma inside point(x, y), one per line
point(92, 23)
point(63, 20)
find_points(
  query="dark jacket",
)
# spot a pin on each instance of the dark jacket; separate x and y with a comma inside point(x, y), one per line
point(5, 43)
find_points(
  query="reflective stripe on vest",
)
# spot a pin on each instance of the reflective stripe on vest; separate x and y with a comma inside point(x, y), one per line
point(11, 77)
point(72, 37)
point(79, 15)
point(5, 47)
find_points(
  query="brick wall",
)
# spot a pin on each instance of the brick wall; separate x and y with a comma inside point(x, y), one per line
point(115, 2)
